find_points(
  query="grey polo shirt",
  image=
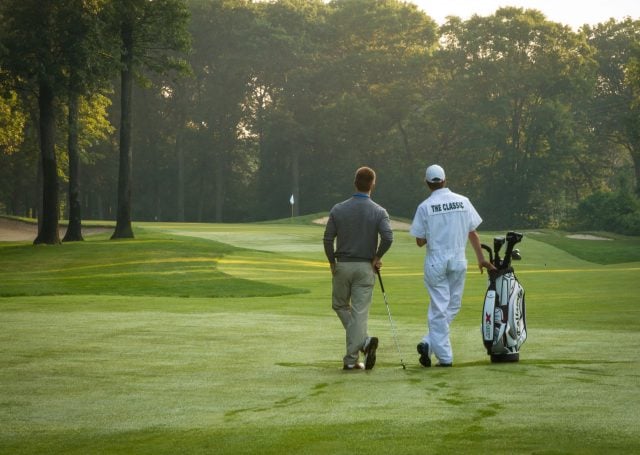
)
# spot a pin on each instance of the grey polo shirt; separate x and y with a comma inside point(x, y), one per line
point(357, 223)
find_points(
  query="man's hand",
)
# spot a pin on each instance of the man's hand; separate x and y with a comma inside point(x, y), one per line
point(485, 264)
point(333, 268)
point(376, 263)
point(474, 238)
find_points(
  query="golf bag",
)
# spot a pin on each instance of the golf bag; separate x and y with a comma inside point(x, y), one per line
point(504, 325)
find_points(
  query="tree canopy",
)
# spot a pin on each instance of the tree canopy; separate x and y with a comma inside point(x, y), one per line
point(241, 104)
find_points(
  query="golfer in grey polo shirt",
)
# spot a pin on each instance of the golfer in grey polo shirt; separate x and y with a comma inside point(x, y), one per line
point(362, 235)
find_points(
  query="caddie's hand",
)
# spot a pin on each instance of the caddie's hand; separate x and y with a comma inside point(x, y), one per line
point(333, 268)
point(484, 264)
point(376, 263)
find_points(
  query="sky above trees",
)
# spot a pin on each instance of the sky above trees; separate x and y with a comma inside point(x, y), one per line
point(569, 12)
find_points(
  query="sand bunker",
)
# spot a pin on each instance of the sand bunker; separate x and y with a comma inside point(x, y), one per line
point(587, 237)
point(19, 231)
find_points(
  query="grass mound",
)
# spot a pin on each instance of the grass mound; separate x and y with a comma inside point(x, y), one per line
point(151, 265)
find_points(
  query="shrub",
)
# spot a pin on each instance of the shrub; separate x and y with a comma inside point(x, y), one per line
point(617, 211)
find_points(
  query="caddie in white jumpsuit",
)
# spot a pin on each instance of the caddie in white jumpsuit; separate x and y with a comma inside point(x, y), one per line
point(443, 222)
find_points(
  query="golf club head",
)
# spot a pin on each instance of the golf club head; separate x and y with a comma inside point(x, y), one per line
point(515, 255)
point(513, 237)
point(497, 243)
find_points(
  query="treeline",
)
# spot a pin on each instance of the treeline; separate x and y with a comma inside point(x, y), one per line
point(220, 110)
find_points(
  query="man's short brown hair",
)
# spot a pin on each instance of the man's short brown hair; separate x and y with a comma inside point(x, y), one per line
point(365, 178)
point(435, 185)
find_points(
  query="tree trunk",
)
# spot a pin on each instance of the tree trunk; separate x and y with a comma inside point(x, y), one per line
point(180, 189)
point(295, 178)
point(74, 229)
point(635, 155)
point(123, 217)
point(201, 195)
point(48, 216)
point(100, 207)
point(38, 208)
point(220, 188)
point(405, 144)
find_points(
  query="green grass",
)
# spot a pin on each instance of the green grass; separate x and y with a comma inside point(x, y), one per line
point(160, 265)
point(610, 249)
point(222, 340)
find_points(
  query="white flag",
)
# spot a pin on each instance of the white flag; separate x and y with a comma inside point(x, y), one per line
point(291, 200)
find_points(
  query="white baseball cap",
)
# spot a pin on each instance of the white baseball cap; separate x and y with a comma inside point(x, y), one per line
point(434, 174)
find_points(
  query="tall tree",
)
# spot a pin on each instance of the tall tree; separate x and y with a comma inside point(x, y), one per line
point(511, 100)
point(222, 63)
point(286, 96)
point(614, 112)
point(150, 33)
point(12, 121)
point(379, 63)
point(19, 152)
point(87, 42)
point(51, 49)
point(31, 37)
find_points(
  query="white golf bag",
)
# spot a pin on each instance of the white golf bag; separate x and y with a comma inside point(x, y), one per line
point(504, 325)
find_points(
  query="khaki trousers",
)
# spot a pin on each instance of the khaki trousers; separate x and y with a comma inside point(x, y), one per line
point(352, 292)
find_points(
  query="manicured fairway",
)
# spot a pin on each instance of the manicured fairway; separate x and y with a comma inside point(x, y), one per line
point(201, 338)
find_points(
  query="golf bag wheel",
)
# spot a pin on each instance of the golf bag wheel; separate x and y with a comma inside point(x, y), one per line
point(504, 358)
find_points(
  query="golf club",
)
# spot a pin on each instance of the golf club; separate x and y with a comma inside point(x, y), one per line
point(393, 327)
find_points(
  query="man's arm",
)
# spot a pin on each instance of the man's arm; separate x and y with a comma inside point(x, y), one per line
point(385, 234)
point(418, 228)
point(474, 238)
point(330, 233)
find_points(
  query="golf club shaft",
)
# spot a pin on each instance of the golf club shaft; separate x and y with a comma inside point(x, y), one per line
point(393, 327)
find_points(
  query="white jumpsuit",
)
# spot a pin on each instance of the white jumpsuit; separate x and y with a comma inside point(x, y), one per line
point(444, 219)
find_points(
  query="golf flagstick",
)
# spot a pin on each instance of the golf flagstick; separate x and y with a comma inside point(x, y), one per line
point(393, 327)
